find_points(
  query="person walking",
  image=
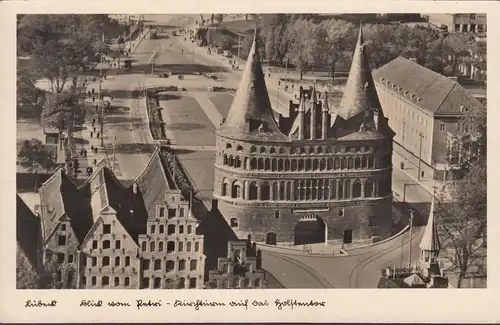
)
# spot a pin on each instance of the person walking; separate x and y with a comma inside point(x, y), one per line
point(93, 121)
point(97, 135)
point(92, 148)
point(91, 134)
point(94, 129)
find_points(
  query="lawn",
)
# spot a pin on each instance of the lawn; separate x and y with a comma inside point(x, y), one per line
point(222, 102)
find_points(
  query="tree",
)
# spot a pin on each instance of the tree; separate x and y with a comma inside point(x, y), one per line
point(219, 18)
point(302, 45)
point(26, 274)
point(338, 41)
point(34, 156)
point(456, 47)
point(212, 18)
point(28, 96)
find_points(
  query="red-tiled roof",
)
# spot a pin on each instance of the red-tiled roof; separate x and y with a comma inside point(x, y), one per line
point(251, 106)
point(28, 231)
point(425, 88)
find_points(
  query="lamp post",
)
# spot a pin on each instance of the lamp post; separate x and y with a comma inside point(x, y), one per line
point(421, 135)
point(222, 59)
point(411, 228)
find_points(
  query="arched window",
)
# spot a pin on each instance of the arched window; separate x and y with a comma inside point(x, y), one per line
point(196, 246)
point(190, 229)
point(315, 164)
point(182, 265)
point(329, 164)
point(239, 148)
point(144, 246)
point(264, 194)
point(336, 163)
point(224, 188)
point(181, 283)
point(127, 261)
point(170, 246)
point(180, 246)
point(272, 150)
point(157, 283)
point(160, 246)
point(350, 164)
point(260, 164)
point(253, 164)
point(235, 190)
point(294, 165)
point(287, 165)
point(262, 150)
point(343, 163)
point(193, 265)
point(274, 165)
point(188, 246)
point(300, 165)
point(152, 246)
point(267, 164)
point(322, 164)
point(231, 161)
point(228, 146)
point(293, 150)
point(192, 283)
point(302, 151)
point(169, 266)
point(282, 191)
point(282, 151)
point(253, 149)
point(311, 150)
point(157, 265)
point(347, 189)
point(333, 189)
point(162, 212)
point(356, 189)
point(357, 163)
point(181, 229)
point(106, 244)
point(364, 163)
point(170, 229)
point(308, 164)
point(280, 165)
point(237, 162)
point(275, 191)
point(252, 191)
point(370, 163)
point(287, 190)
point(226, 160)
point(369, 188)
point(320, 149)
point(340, 193)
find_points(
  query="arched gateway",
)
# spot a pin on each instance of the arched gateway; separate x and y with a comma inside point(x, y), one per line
point(310, 229)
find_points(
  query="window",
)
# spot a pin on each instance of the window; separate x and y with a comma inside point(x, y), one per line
point(145, 283)
point(153, 229)
point(127, 260)
point(94, 261)
point(442, 127)
point(196, 246)
point(193, 265)
point(162, 212)
point(181, 212)
point(170, 266)
point(188, 246)
point(152, 246)
point(181, 229)
point(190, 229)
point(161, 229)
point(61, 240)
point(157, 283)
point(356, 189)
point(84, 280)
point(117, 261)
point(63, 227)
point(61, 257)
point(117, 281)
point(70, 258)
point(372, 221)
point(341, 212)
point(94, 244)
point(160, 246)
point(94, 281)
point(157, 265)
point(239, 148)
point(106, 229)
point(171, 229)
point(105, 261)
point(145, 264)
point(182, 265)
point(171, 213)
point(144, 246)
point(118, 244)
point(192, 283)
point(127, 281)
point(106, 244)
point(105, 280)
point(170, 246)
point(234, 222)
point(181, 247)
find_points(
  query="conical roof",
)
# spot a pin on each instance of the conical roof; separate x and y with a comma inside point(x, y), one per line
point(360, 92)
point(430, 240)
point(250, 116)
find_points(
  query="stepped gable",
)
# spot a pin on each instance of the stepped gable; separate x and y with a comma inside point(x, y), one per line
point(360, 93)
point(28, 231)
point(154, 181)
point(251, 116)
point(430, 240)
point(59, 198)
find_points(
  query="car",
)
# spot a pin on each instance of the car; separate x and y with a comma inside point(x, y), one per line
point(227, 54)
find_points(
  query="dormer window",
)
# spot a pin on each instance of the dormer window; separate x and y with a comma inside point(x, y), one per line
point(412, 96)
point(406, 92)
point(394, 86)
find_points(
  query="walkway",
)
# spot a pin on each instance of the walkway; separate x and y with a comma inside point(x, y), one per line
point(208, 107)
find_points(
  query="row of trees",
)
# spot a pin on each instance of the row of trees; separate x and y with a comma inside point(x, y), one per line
point(309, 43)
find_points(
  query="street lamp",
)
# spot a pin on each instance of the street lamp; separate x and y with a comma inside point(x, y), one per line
point(421, 135)
point(411, 228)
point(222, 59)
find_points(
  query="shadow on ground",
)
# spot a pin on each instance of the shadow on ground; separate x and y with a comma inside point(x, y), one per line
point(169, 96)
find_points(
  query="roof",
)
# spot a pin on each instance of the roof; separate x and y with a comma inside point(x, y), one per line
point(251, 116)
point(359, 92)
point(430, 240)
point(427, 89)
point(154, 181)
point(414, 280)
point(60, 197)
point(28, 231)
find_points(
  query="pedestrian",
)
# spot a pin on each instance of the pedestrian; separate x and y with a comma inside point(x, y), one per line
point(292, 86)
point(81, 152)
point(96, 108)
point(93, 91)
point(269, 75)
point(95, 150)
point(88, 93)
point(93, 121)
point(92, 148)
point(94, 129)
point(97, 135)
point(95, 162)
point(105, 77)
point(93, 99)
point(85, 152)
point(91, 134)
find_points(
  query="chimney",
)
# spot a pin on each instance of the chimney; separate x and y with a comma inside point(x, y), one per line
point(214, 205)
point(375, 118)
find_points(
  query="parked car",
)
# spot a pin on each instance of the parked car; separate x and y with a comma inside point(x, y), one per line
point(227, 54)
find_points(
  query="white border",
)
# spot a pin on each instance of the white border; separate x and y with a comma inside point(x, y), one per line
point(345, 305)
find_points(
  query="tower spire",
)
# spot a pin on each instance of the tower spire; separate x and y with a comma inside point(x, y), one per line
point(313, 103)
point(359, 93)
point(430, 245)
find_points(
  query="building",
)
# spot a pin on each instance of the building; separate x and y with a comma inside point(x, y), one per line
point(424, 111)
point(106, 235)
point(429, 274)
point(315, 176)
point(240, 269)
point(460, 23)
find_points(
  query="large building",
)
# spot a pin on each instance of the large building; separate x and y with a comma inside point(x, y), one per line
point(315, 176)
point(106, 235)
point(424, 111)
point(460, 23)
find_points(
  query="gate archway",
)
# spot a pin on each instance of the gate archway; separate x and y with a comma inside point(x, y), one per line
point(310, 229)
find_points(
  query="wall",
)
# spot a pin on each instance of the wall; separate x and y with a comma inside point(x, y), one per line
point(439, 147)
